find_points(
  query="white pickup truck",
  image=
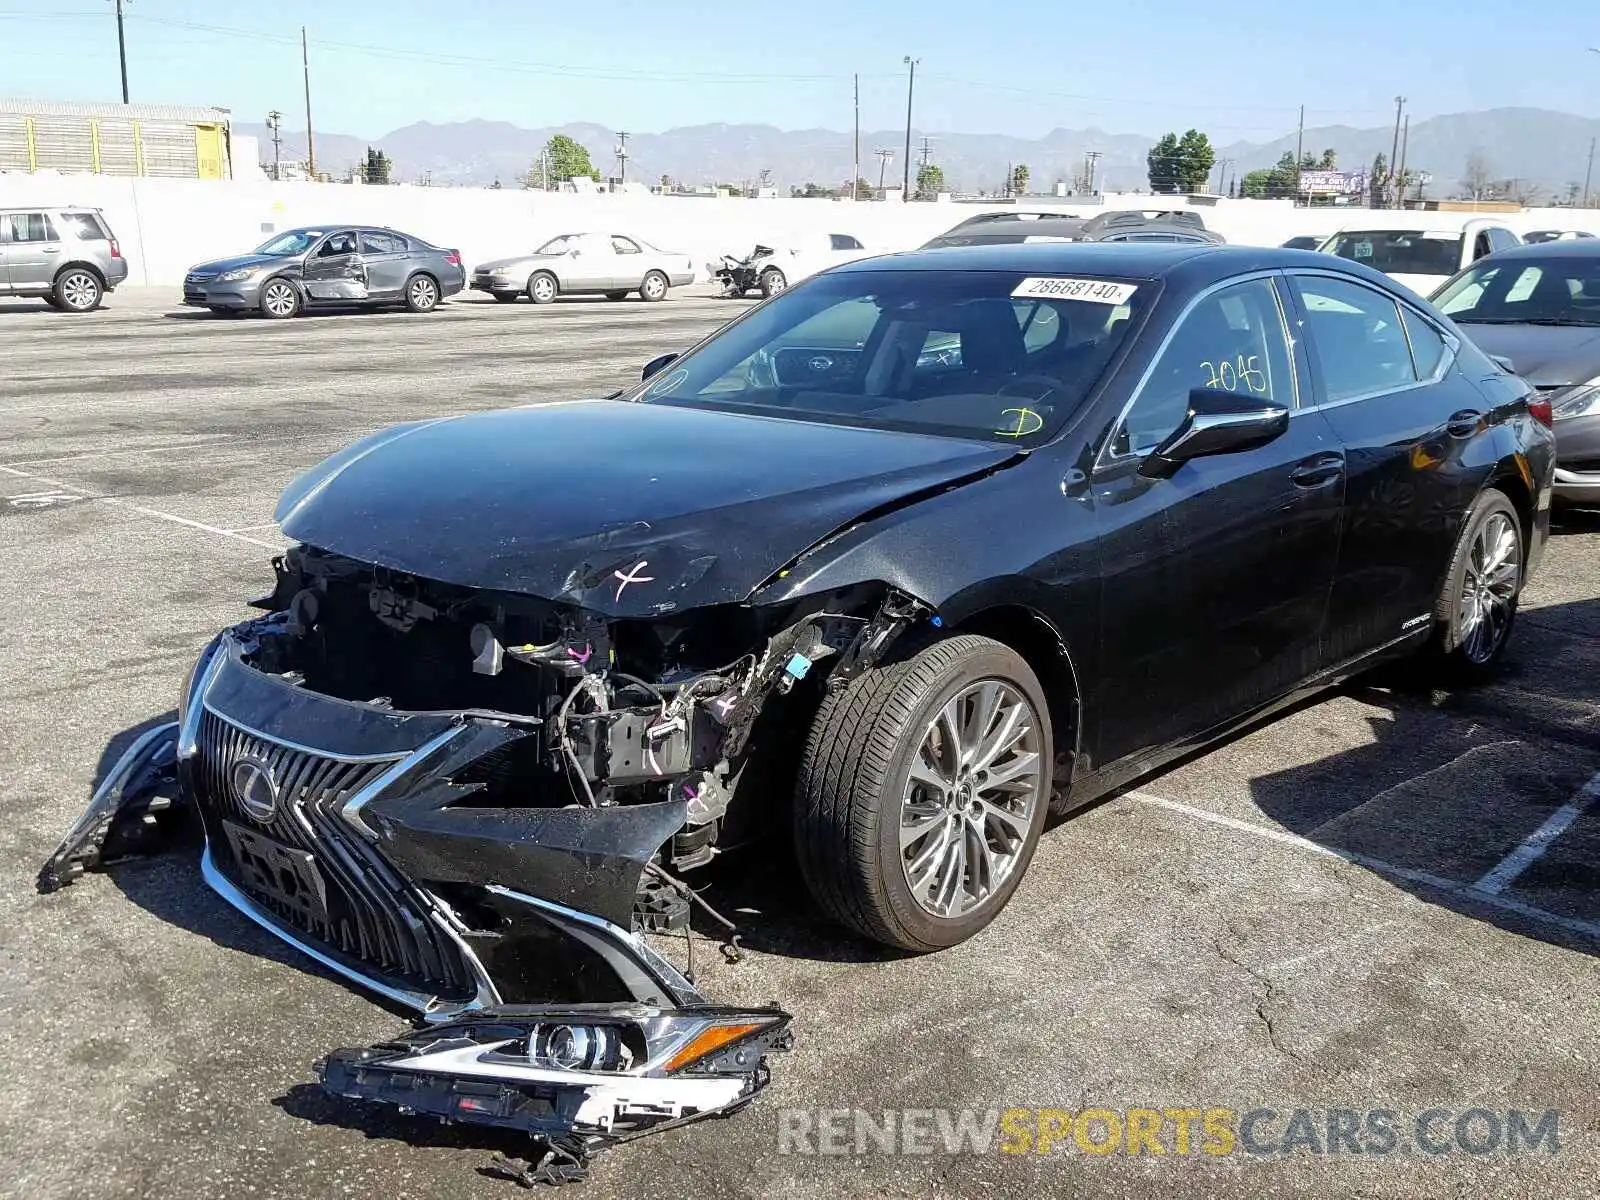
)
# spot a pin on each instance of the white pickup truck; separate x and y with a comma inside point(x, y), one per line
point(1421, 256)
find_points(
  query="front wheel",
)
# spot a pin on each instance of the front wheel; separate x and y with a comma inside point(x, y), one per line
point(422, 294)
point(542, 288)
point(773, 281)
point(653, 288)
point(78, 291)
point(1478, 604)
point(280, 300)
point(923, 791)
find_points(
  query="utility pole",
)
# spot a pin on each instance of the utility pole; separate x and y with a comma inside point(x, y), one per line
point(883, 162)
point(1222, 174)
point(622, 156)
point(911, 83)
point(855, 173)
point(1394, 150)
point(1299, 152)
point(1094, 157)
point(311, 145)
point(1400, 175)
point(1589, 173)
point(922, 167)
point(122, 51)
point(274, 122)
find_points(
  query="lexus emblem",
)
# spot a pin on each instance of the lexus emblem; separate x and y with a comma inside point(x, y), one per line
point(255, 788)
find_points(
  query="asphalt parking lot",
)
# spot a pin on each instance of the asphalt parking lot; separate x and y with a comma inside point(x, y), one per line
point(1380, 901)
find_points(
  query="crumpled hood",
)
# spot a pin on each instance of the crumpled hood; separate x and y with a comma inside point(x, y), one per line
point(521, 260)
point(624, 508)
point(217, 266)
point(1544, 355)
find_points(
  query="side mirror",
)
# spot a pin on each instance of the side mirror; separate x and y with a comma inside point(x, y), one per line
point(656, 365)
point(1217, 423)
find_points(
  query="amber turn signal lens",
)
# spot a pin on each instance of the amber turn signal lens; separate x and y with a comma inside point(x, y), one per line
point(709, 1041)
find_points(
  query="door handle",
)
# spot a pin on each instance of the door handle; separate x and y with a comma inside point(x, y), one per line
point(1464, 423)
point(1317, 471)
point(51, 250)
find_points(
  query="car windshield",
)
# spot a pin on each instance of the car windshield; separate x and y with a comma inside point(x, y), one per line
point(1401, 251)
point(558, 245)
point(1559, 290)
point(296, 241)
point(995, 355)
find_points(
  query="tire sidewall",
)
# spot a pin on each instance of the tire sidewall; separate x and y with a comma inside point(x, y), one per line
point(773, 281)
point(996, 663)
point(1449, 611)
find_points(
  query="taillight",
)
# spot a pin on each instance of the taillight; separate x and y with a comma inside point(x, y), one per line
point(1539, 410)
point(453, 257)
point(116, 250)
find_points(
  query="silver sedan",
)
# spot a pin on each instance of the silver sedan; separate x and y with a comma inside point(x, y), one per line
point(605, 264)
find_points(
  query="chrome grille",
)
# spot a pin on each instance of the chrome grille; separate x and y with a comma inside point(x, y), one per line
point(362, 909)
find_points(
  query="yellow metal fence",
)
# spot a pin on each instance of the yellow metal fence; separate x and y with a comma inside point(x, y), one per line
point(114, 146)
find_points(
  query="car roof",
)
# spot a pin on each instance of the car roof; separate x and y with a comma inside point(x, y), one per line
point(1575, 248)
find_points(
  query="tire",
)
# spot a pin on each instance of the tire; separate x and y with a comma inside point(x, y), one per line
point(280, 300)
point(543, 288)
point(1464, 650)
point(616, 295)
point(654, 287)
point(78, 290)
point(855, 788)
point(422, 293)
point(773, 281)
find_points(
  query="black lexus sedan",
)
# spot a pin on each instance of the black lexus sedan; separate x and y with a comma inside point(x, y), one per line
point(1538, 307)
point(524, 671)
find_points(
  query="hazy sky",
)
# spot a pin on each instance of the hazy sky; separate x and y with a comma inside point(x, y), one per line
point(1238, 71)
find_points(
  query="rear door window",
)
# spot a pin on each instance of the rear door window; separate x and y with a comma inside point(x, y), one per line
point(375, 242)
point(1361, 347)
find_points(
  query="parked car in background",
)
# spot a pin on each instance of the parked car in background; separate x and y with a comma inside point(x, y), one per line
point(1538, 307)
point(1555, 235)
point(1424, 255)
point(1011, 227)
point(1305, 241)
point(330, 266)
point(612, 265)
point(67, 257)
point(1129, 218)
point(802, 257)
point(1158, 229)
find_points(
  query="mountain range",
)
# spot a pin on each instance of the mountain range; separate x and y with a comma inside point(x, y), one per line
point(1548, 149)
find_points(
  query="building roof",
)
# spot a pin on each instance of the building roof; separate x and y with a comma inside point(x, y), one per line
point(138, 112)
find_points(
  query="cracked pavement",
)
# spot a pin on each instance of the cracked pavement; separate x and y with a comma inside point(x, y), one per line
point(1252, 928)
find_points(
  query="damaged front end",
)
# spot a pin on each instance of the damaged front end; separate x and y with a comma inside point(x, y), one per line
point(476, 803)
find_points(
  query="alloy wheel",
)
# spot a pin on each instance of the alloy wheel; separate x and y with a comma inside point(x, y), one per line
point(975, 781)
point(279, 299)
point(423, 294)
point(653, 287)
point(544, 288)
point(79, 291)
point(1489, 587)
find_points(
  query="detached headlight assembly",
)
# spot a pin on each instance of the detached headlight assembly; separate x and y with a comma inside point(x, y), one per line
point(237, 275)
point(1582, 400)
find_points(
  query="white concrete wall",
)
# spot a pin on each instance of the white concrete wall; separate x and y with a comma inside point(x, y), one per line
point(167, 225)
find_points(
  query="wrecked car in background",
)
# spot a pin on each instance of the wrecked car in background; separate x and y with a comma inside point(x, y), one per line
point(890, 566)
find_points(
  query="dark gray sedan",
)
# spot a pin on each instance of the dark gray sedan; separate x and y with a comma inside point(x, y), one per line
point(1538, 307)
point(331, 266)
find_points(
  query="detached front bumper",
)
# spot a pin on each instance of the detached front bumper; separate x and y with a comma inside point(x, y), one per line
point(471, 916)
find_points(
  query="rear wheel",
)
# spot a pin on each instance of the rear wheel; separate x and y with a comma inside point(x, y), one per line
point(654, 287)
point(773, 281)
point(542, 288)
point(923, 791)
point(279, 300)
point(78, 290)
point(422, 294)
point(1478, 604)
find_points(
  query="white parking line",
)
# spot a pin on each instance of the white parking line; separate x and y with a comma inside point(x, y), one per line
point(1536, 843)
point(252, 528)
point(1455, 887)
point(141, 509)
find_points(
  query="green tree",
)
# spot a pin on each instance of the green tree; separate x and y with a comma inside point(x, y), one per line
point(1019, 179)
point(930, 181)
point(1195, 160)
point(1163, 162)
point(376, 168)
point(564, 159)
point(1378, 180)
